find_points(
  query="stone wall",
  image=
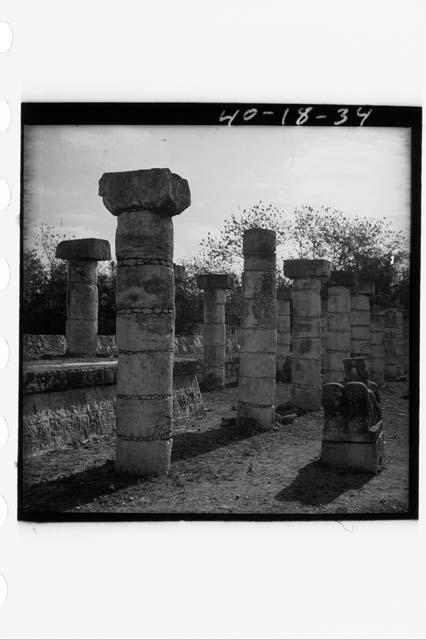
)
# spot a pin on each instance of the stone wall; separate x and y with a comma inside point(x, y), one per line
point(38, 347)
point(70, 401)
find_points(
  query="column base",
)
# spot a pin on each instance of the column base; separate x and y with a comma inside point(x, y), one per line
point(354, 456)
point(143, 458)
point(250, 418)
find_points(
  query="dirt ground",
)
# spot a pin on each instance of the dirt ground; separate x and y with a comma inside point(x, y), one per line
point(216, 470)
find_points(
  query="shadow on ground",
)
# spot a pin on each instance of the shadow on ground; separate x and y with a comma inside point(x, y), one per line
point(65, 493)
point(316, 484)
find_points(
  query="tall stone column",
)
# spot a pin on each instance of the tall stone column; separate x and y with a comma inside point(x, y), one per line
point(339, 324)
point(306, 355)
point(82, 292)
point(377, 345)
point(258, 332)
point(406, 339)
point(360, 321)
point(399, 342)
point(324, 328)
point(215, 287)
point(283, 331)
point(144, 202)
point(179, 271)
point(391, 355)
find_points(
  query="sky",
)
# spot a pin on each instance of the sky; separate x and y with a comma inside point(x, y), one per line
point(360, 171)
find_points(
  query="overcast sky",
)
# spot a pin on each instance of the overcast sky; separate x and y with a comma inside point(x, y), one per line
point(364, 171)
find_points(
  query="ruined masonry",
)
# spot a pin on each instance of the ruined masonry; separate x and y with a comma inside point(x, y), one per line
point(258, 333)
point(215, 286)
point(82, 292)
point(306, 356)
point(377, 345)
point(144, 202)
point(360, 321)
point(338, 324)
point(391, 350)
point(283, 333)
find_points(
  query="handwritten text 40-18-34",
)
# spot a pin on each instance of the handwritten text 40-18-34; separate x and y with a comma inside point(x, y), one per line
point(297, 116)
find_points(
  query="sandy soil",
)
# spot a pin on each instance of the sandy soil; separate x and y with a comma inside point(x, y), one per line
point(217, 470)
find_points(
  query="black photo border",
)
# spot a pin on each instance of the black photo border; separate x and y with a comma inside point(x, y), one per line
point(243, 114)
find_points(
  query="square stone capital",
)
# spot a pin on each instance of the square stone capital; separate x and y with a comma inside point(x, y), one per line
point(258, 241)
point(84, 249)
point(156, 190)
point(214, 281)
point(295, 269)
point(284, 293)
point(343, 279)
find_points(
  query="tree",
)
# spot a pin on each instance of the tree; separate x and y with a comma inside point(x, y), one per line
point(368, 246)
point(224, 251)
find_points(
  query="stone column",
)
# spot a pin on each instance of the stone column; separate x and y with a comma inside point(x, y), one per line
point(360, 321)
point(324, 329)
point(215, 286)
point(283, 332)
point(82, 292)
point(306, 354)
point(406, 338)
point(179, 271)
point(258, 332)
point(399, 342)
point(144, 203)
point(391, 356)
point(377, 345)
point(339, 324)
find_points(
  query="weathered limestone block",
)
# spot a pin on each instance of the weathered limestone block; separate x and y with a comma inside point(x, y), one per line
point(283, 361)
point(82, 292)
point(324, 326)
point(377, 345)
point(179, 270)
point(391, 354)
point(306, 355)
point(360, 320)
point(353, 430)
point(215, 286)
point(399, 342)
point(339, 323)
point(144, 202)
point(258, 334)
point(406, 338)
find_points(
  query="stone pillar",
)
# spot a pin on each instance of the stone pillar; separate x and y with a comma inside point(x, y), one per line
point(82, 292)
point(179, 271)
point(406, 337)
point(339, 324)
point(144, 203)
point(324, 328)
point(283, 332)
point(399, 343)
point(258, 332)
point(215, 286)
point(391, 356)
point(377, 345)
point(306, 354)
point(360, 321)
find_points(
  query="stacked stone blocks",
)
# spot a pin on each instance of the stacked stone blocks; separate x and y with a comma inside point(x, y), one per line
point(82, 292)
point(144, 202)
point(258, 334)
point(306, 355)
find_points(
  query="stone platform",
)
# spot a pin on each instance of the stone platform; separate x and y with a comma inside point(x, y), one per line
point(68, 400)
